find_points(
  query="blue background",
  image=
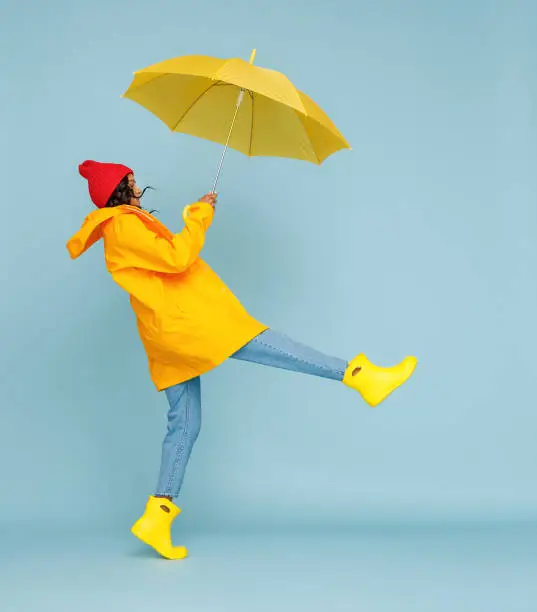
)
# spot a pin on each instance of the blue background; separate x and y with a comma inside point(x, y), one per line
point(421, 240)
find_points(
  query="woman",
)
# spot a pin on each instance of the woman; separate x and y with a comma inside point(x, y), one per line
point(189, 323)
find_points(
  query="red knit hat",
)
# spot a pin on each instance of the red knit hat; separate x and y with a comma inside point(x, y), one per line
point(102, 179)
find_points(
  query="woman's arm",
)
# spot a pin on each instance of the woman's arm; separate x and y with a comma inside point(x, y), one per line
point(131, 245)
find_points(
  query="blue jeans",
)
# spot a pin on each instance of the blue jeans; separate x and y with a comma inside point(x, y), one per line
point(184, 416)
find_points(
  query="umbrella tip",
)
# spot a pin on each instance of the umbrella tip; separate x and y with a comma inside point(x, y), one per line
point(252, 57)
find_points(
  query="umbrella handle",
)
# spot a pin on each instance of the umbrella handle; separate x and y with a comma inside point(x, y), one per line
point(239, 101)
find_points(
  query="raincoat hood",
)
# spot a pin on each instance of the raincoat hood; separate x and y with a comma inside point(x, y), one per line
point(93, 225)
point(90, 232)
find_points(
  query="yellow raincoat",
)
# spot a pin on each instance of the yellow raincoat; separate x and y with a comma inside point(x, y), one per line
point(187, 318)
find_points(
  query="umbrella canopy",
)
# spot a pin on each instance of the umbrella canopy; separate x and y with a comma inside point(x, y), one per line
point(254, 110)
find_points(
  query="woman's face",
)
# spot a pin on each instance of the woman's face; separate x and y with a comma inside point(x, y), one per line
point(135, 201)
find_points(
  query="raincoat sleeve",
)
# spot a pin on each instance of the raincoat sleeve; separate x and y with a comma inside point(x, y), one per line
point(135, 246)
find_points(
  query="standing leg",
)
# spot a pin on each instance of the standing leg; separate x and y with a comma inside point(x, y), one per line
point(184, 423)
point(374, 383)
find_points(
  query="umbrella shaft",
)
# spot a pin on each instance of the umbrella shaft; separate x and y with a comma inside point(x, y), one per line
point(239, 100)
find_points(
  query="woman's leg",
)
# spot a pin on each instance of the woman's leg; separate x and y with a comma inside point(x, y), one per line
point(277, 350)
point(184, 423)
point(374, 383)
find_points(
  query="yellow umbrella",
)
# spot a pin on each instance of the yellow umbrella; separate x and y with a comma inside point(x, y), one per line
point(254, 110)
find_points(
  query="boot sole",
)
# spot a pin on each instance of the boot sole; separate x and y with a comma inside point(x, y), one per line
point(160, 551)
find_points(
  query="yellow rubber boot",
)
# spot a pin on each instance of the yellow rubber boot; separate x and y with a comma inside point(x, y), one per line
point(375, 383)
point(154, 527)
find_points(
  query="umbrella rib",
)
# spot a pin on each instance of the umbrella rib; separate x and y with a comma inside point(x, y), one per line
point(312, 148)
point(194, 103)
point(251, 124)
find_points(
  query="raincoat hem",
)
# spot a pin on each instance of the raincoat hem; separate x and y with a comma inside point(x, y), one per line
point(257, 330)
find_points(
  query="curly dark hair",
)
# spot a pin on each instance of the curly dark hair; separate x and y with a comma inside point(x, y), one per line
point(122, 194)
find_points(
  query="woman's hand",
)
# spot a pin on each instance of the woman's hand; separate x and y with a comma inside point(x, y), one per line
point(209, 198)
